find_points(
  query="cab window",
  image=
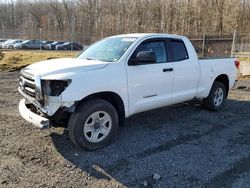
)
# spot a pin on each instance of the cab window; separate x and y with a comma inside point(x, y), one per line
point(178, 49)
point(158, 47)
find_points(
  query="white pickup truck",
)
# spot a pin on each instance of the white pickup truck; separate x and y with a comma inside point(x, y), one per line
point(117, 77)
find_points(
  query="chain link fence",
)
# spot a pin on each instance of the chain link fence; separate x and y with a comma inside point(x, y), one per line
point(231, 45)
point(206, 45)
point(209, 45)
point(242, 46)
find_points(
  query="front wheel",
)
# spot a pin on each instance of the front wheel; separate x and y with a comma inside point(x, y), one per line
point(93, 124)
point(216, 98)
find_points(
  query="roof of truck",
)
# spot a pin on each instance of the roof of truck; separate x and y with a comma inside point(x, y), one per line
point(139, 35)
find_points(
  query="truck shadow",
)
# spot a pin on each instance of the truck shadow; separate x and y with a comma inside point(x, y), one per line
point(145, 146)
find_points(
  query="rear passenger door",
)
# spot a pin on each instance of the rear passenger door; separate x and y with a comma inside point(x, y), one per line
point(186, 72)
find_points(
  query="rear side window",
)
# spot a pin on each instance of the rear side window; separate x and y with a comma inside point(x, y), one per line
point(179, 51)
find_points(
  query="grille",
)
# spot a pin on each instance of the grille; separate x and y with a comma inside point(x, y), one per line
point(27, 84)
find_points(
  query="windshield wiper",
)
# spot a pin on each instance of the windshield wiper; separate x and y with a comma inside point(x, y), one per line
point(90, 58)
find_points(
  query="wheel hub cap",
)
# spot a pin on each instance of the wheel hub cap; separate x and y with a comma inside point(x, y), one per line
point(218, 97)
point(97, 126)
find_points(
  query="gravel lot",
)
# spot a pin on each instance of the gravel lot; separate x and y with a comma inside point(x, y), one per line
point(185, 144)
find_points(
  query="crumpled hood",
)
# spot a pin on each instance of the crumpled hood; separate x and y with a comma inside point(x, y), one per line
point(64, 65)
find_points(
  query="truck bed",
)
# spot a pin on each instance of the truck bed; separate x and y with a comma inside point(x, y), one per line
point(208, 58)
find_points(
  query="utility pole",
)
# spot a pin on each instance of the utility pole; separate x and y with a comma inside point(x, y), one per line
point(5, 18)
point(3, 29)
point(40, 38)
point(241, 46)
point(233, 44)
point(72, 34)
point(242, 16)
point(203, 45)
point(72, 26)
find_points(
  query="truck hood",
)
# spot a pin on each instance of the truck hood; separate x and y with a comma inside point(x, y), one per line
point(64, 65)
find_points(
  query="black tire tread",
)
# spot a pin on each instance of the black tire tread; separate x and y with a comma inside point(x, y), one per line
point(208, 102)
point(73, 121)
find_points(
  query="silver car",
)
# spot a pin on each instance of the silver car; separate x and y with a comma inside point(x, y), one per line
point(1, 42)
point(30, 44)
point(9, 44)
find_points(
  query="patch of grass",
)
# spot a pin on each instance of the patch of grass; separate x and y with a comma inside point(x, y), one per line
point(241, 77)
point(14, 60)
point(1, 55)
point(244, 59)
point(243, 56)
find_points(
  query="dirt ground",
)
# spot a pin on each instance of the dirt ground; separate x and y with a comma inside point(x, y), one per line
point(184, 145)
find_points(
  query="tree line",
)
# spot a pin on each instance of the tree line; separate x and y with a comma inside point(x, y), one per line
point(90, 20)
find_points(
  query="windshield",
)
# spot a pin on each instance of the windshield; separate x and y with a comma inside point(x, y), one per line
point(109, 49)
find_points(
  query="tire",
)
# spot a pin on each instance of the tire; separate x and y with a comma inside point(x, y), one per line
point(216, 98)
point(84, 130)
point(11, 47)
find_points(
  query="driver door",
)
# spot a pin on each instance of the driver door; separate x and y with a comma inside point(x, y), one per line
point(150, 84)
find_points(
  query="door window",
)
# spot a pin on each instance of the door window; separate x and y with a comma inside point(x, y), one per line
point(158, 47)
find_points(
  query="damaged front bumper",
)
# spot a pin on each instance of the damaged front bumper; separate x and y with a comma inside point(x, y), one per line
point(31, 117)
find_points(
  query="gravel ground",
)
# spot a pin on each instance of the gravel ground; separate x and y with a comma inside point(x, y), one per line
point(179, 146)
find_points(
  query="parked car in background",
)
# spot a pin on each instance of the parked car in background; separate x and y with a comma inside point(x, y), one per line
point(30, 44)
point(52, 46)
point(9, 44)
point(1, 42)
point(69, 46)
point(47, 41)
point(6, 41)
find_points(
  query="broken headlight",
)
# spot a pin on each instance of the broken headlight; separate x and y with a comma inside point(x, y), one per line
point(54, 87)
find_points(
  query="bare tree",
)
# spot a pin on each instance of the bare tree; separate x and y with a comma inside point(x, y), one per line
point(88, 20)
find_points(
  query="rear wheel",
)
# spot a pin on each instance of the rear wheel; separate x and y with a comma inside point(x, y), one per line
point(216, 98)
point(93, 125)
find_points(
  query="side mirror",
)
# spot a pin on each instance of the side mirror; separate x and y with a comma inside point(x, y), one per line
point(144, 57)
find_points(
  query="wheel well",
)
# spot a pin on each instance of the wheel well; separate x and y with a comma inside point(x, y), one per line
point(113, 98)
point(223, 79)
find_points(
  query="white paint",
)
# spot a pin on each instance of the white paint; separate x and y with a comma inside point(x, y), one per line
point(141, 87)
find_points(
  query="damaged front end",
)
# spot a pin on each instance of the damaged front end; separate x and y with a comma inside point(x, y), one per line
point(43, 105)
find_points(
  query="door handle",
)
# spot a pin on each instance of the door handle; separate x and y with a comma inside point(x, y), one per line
point(168, 70)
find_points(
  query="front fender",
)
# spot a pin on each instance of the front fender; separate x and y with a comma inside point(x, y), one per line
point(111, 79)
